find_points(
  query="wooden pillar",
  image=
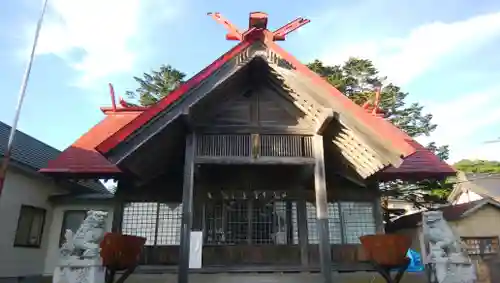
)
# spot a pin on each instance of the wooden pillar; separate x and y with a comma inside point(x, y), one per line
point(250, 203)
point(187, 208)
point(198, 208)
point(289, 222)
point(378, 213)
point(118, 207)
point(302, 227)
point(322, 209)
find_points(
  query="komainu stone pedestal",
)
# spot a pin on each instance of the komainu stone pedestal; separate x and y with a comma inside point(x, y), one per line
point(79, 257)
point(79, 271)
point(446, 259)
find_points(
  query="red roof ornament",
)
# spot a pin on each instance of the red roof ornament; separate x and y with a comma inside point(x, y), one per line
point(112, 94)
point(372, 105)
point(125, 106)
point(257, 21)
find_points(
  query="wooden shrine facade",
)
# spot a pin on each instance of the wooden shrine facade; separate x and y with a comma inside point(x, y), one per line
point(252, 156)
point(248, 224)
point(270, 161)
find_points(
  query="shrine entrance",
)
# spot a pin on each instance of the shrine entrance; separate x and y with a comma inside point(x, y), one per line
point(253, 216)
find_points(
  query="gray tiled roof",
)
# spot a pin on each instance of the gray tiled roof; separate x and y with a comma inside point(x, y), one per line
point(35, 154)
point(485, 184)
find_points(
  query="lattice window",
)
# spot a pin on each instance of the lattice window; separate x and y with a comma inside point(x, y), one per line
point(334, 228)
point(159, 223)
point(169, 224)
point(246, 145)
point(269, 223)
point(285, 146)
point(223, 145)
point(481, 245)
point(358, 220)
point(247, 221)
point(237, 222)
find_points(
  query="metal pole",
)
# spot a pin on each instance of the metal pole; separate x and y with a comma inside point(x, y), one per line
point(22, 93)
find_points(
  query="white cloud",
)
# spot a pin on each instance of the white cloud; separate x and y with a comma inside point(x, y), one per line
point(405, 58)
point(461, 120)
point(98, 38)
point(490, 151)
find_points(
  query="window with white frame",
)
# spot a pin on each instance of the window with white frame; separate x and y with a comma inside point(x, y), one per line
point(30, 227)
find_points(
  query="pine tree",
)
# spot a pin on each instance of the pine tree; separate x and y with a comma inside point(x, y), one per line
point(156, 85)
point(358, 80)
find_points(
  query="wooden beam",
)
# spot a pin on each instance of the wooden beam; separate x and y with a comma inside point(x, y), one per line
point(302, 100)
point(187, 208)
point(322, 209)
point(365, 152)
point(245, 129)
point(302, 227)
point(324, 120)
point(187, 118)
point(360, 168)
point(261, 160)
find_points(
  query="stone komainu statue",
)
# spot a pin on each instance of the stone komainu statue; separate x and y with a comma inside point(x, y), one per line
point(84, 243)
point(447, 258)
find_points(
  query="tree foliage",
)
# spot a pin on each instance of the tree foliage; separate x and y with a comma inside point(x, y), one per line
point(358, 80)
point(156, 85)
point(478, 166)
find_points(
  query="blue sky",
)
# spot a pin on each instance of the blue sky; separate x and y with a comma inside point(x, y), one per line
point(444, 53)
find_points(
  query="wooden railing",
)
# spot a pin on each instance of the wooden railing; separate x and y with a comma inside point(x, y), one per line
point(253, 147)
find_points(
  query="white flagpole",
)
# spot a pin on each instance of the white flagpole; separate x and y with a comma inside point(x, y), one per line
point(22, 93)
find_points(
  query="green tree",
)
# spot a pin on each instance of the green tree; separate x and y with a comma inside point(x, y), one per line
point(358, 80)
point(156, 85)
point(478, 166)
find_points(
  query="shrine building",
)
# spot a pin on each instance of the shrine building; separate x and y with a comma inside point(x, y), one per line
point(277, 168)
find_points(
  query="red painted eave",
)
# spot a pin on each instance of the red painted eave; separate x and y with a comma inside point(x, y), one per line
point(81, 156)
point(420, 165)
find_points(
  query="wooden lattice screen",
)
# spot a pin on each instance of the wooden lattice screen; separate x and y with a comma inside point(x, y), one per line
point(254, 145)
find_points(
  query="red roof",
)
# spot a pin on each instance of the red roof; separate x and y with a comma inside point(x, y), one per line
point(84, 156)
point(419, 165)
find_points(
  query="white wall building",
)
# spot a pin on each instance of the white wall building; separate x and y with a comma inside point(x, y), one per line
point(33, 209)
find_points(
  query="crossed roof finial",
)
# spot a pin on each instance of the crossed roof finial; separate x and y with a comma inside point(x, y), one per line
point(257, 22)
